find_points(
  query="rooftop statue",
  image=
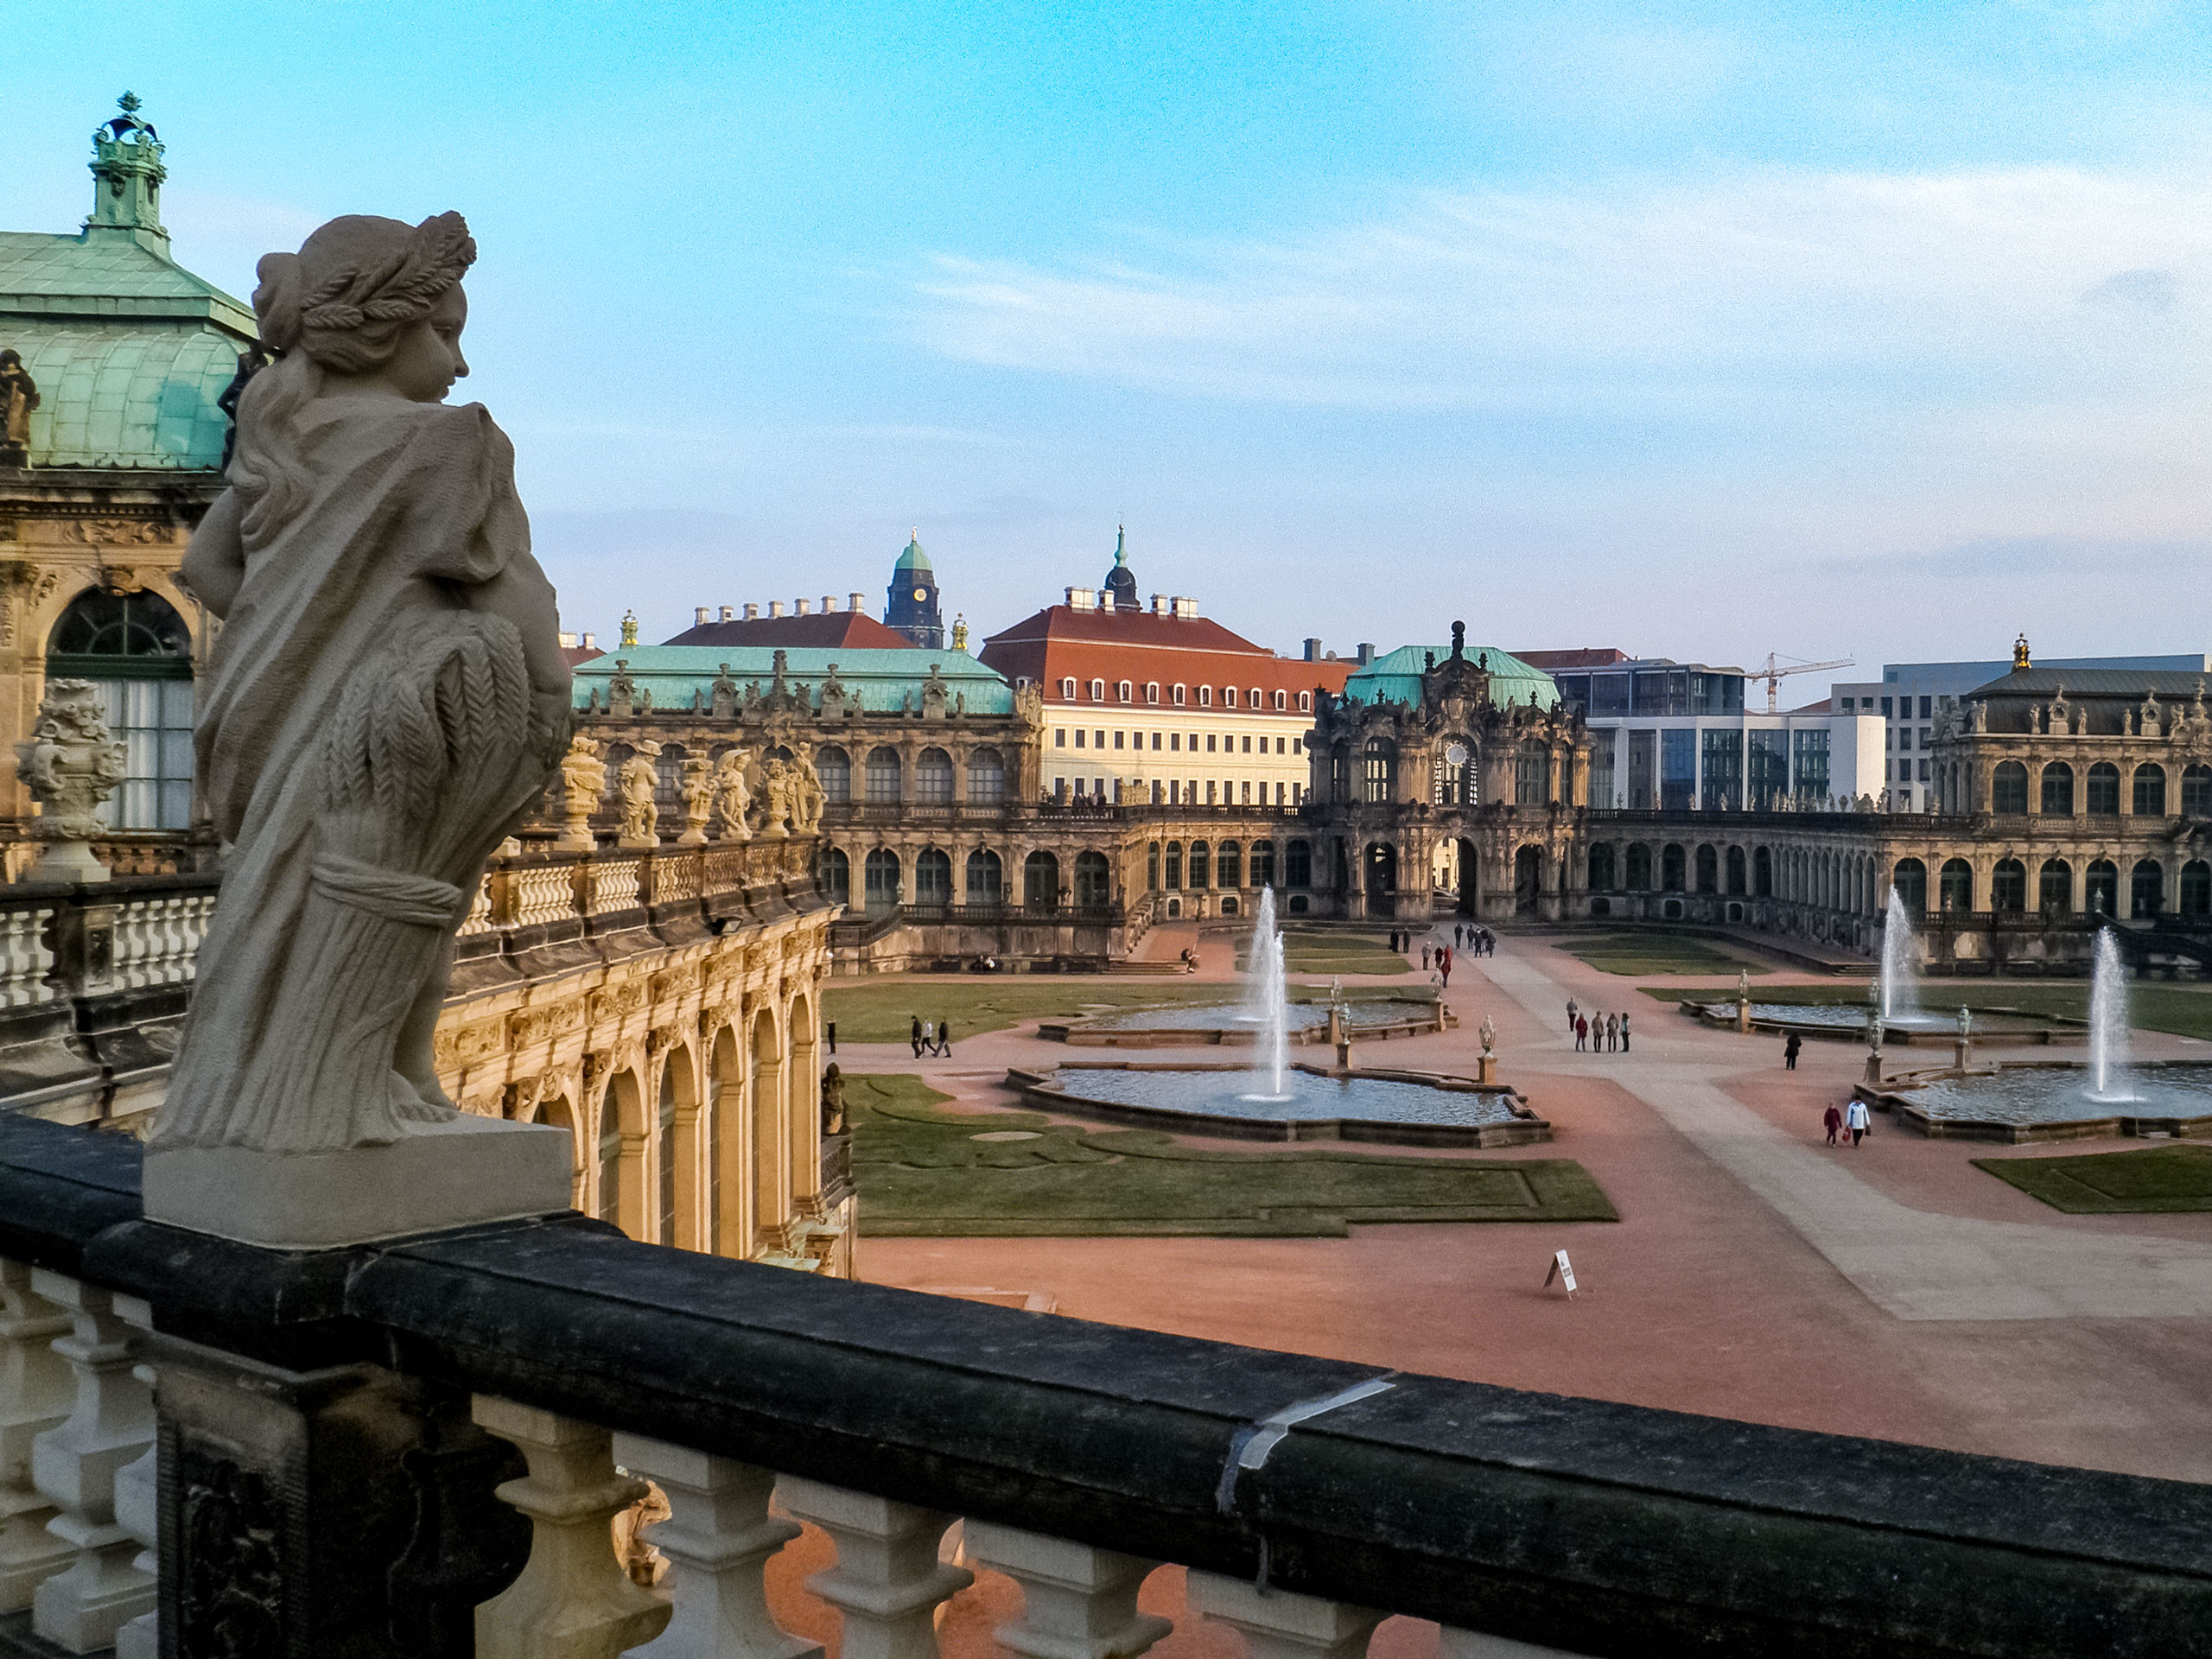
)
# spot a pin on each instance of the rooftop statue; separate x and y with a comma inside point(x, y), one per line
point(18, 397)
point(386, 700)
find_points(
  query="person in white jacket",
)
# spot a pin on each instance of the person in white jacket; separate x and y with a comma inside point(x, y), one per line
point(1855, 1119)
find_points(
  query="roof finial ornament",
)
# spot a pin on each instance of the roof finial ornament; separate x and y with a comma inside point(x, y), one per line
point(1459, 641)
point(2020, 654)
point(629, 627)
point(960, 631)
point(1120, 543)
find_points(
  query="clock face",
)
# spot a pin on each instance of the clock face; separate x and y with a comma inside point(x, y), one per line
point(920, 593)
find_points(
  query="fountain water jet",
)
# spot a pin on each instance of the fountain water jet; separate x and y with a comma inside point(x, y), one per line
point(2109, 1077)
point(1900, 996)
point(1266, 1003)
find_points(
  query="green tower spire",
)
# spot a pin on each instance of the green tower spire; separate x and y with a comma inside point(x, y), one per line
point(127, 175)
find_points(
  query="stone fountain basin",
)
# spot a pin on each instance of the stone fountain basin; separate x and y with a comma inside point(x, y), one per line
point(2047, 1100)
point(1846, 1022)
point(1224, 1025)
point(1412, 1109)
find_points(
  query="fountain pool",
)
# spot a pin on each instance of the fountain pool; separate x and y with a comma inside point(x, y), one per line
point(1407, 1108)
point(2052, 1100)
point(1847, 1020)
point(1231, 1023)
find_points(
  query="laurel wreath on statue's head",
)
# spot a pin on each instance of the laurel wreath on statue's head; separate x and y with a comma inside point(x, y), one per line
point(396, 289)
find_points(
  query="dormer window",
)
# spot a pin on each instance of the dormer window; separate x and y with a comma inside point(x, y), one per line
point(1098, 690)
point(1122, 690)
point(1281, 701)
point(1067, 689)
point(1205, 696)
point(1178, 696)
point(1259, 699)
point(1228, 696)
point(1152, 691)
point(1306, 702)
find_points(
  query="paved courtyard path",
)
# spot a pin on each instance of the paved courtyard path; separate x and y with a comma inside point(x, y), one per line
point(1916, 1264)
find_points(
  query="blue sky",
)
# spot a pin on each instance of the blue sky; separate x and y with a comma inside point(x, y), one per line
point(1705, 330)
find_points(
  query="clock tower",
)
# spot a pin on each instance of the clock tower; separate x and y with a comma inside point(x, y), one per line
point(912, 608)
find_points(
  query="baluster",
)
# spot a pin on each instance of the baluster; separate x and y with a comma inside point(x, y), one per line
point(1077, 1602)
point(1281, 1624)
point(36, 1391)
point(75, 1463)
point(717, 1539)
point(1475, 1644)
point(573, 1600)
point(887, 1580)
point(138, 1508)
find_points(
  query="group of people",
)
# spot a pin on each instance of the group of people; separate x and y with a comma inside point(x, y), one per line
point(1595, 1032)
point(1473, 936)
point(1851, 1116)
point(933, 1038)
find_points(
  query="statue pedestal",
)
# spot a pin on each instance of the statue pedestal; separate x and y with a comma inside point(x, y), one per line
point(1961, 1054)
point(1742, 1016)
point(458, 1174)
point(1486, 1069)
point(1874, 1068)
point(66, 860)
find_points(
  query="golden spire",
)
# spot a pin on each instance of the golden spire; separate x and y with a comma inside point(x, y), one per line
point(960, 631)
point(2020, 653)
point(629, 627)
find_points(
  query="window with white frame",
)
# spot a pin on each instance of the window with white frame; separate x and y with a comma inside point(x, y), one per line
point(1067, 688)
point(1282, 701)
point(1205, 696)
point(1098, 690)
point(1306, 702)
point(1228, 696)
point(1258, 698)
point(1121, 692)
point(1152, 691)
point(1176, 697)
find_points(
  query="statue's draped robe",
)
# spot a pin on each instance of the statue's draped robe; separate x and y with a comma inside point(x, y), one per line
point(408, 507)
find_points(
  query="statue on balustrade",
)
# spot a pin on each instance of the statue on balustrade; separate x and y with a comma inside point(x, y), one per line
point(776, 797)
point(640, 811)
point(808, 798)
point(18, 397)
point(386, 701)
point(697, 790)
point(583, 785)
point(70, 764)
point(733, 796)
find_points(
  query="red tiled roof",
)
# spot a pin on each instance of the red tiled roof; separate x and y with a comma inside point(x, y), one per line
point(577, 656)
point(823, 628)
point(1140, 646)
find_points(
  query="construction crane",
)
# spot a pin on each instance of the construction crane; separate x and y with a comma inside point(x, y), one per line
point(1773, 671)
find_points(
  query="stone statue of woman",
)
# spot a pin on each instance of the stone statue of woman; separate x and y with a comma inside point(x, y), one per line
point(385, 703)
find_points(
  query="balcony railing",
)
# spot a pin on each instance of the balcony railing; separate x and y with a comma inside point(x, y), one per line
point(338, 1472)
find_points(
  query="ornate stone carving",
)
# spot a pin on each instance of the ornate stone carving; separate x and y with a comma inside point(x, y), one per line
point(640, 812)
point(733, 796)
point(230, 1603)
point(583, 783)
point(697, 790)
point(776, 789)
point(71, 764)
point(18, 397)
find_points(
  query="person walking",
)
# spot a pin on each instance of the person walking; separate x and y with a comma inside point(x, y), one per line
point(1624, 1033)
point(1612, 1033)
point(929, 1039)
point(1855, 1120)
point(1581, 1034)
point(1443, 968)
point(831, 1032)
point(1570, 1013)
point(916, 1036)
point(945, 1039)
point(1831, 1120)
point(1789, 1052)
point(1423, 958)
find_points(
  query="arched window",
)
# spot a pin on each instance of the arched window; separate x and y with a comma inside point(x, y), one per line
point(1205, 696)
point(1040, 882)
point(1383, 869)
point(1174, 876)
point(665, 1145)
point(668, 784)
point(1910, 881)
point(1123, 692)
point(1379, 769)
point(1094, 886)
point(1601, 867)
point(933, 778)
point(2150, 791)
point(2146, 889)
point(1956, 880)
point(984, 877)
point(2008, 788)
point(837, 876)
point(883, 770)
point(1531, 775)
point(2054, 886)
point(1673, 864)
point(1638, 877)
point(2196, 890)
point(138, 652)
point(1201, 860)
point(1098, 690)
point(1306, 702)
point(2057, 790)
point(835, 767)
point(1175, 695)
point(1264, 863)
point(1152, 690)
point(1229, 865)
point(1152, 867)
point(2100, 888)
point(2104, 790)
point(1708, 870)
point(1736, 873)
point(986, 777)
point(1282, 701)
point(1228, 696)
point(933, 877)
point(880, 876)
point(2008, 885)
point(2197, 791)
point(1298, 862)
point(1259, 698)
point(1763, 874)
point(1067, 688)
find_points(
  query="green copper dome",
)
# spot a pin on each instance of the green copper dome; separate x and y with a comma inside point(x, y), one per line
point(913, 558)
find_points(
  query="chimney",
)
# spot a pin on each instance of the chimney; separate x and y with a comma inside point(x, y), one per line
point(1313, 651)
point(829, 603)
point(798, 607)
point(1106, 599)
point(775, 608)
point(1366, 654)
point(1187, 609)
point(859, 604)
point(1159, 604)
point(567, 640)
point(1081, 599)
point(752, 613)
point(588, 641)
point(730, 614)
point(699, 616)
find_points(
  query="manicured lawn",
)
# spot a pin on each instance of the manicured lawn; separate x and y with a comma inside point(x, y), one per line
point(883, 1011)
point(922, 1173)
point(1639, 953)
point(2153, 1005)
point(1334, 950)
point(2157, 1180)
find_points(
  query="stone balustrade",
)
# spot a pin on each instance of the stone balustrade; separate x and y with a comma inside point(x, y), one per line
point(423, 1446)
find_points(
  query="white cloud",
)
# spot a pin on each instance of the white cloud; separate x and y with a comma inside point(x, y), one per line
point(1708, 300)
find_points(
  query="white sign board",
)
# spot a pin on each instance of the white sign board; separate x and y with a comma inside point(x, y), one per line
point(1562, 1270)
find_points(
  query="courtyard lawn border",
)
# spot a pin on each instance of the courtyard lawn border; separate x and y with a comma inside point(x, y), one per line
point(2165, 1180)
